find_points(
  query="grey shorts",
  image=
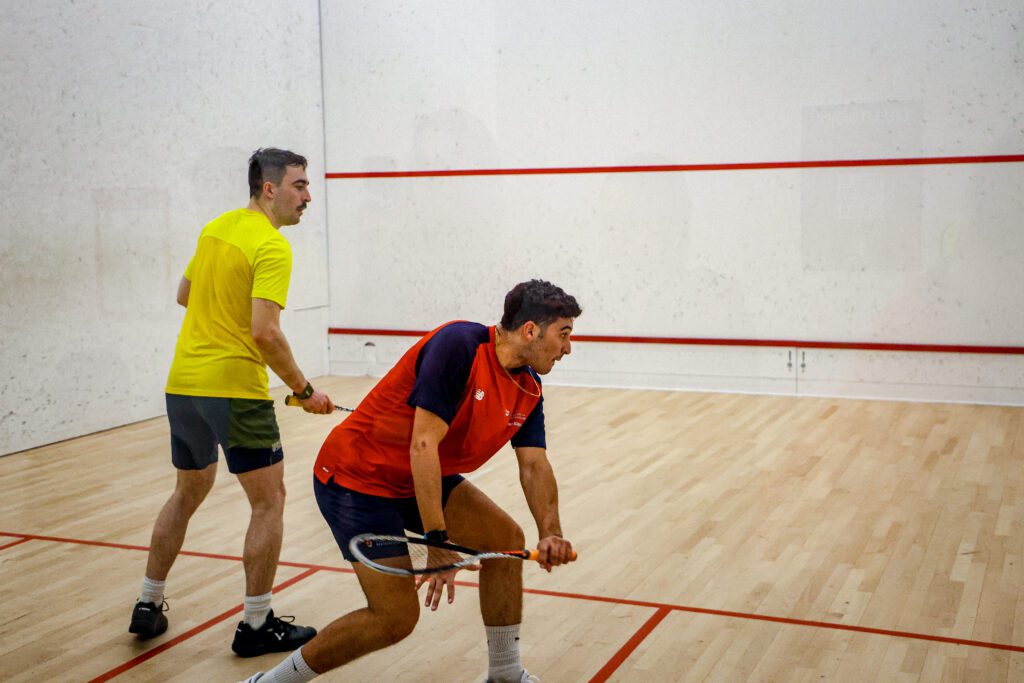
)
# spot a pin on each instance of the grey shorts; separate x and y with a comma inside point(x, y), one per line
point(245, 428)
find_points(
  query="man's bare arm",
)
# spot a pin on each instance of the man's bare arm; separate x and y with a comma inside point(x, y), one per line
point(266, 332)
point(541, 490)
point(184, 287)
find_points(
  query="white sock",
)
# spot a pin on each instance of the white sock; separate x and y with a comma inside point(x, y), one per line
point(503, 662)
point(152, 591)
point(291, 670)
point(257, 607)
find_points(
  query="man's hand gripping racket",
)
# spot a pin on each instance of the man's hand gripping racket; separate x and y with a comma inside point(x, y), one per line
point(292, 401)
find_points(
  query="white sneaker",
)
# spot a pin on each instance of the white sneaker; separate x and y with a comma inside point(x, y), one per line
point(525, 677)
point(252, 679)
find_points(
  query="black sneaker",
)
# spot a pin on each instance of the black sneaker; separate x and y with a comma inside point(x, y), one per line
point(276, 635)
point(148, 620)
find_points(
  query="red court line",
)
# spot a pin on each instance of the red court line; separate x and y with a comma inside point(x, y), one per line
point(676, 168)
point(626, 650)
point(18, 542)
point(785, 620)
point(149, 654)
point(190, 553)
point(704, 341)
point(610, 600)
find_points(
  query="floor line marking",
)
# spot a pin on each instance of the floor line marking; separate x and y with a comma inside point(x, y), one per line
point(597, 598)
point(18, 542)
point(626, 650)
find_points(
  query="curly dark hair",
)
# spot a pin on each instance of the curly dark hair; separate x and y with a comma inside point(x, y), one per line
point(539, 301)
point(268, 163)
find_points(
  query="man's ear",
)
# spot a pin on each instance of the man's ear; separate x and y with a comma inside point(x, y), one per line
point(529, 330)
point(268, 189)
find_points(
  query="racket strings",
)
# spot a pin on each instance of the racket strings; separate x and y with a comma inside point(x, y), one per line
point(427, 558)
point(398, 553)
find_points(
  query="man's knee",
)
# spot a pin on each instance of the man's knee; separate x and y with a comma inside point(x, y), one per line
point(394, 611)
point(518, 537)
point(266, 491)
point(507, 536)
point(192, 487)
point(399, 625)
point(270, 501)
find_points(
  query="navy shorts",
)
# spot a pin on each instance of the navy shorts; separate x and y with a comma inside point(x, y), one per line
point(245, 428)
point(350, 513)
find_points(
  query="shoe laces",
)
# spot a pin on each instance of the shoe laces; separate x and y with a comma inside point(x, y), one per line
point(162, 607)
point(283, 622)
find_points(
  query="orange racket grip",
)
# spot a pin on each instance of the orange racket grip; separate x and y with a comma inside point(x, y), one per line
point(535, 555)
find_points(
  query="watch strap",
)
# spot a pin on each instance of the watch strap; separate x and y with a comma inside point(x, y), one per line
point(436, 536)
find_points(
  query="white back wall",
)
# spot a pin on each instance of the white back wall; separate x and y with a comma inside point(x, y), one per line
point(127, 126)
point(920, 254)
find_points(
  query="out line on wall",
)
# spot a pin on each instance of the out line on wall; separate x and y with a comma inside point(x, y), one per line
point(677, 168)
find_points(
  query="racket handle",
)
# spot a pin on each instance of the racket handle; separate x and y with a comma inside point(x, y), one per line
point(293, 401)
point(534, 555)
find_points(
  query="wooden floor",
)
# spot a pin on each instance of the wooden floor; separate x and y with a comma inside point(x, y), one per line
point(721, 538)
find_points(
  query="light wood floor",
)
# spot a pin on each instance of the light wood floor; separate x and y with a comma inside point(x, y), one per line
point(721, 538)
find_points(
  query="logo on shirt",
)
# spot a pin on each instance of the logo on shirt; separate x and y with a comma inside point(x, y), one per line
point(479, 394)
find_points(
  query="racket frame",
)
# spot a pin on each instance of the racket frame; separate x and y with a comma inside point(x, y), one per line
point(474, 556)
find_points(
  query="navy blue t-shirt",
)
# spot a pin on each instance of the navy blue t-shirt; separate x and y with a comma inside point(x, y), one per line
point(442, 373)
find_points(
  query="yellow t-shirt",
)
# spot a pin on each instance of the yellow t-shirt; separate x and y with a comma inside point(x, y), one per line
point(240, 256)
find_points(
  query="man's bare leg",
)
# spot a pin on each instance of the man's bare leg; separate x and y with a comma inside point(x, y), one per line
point(390, 615)
point(265, 490)
point(474, 520)
point(190, 491)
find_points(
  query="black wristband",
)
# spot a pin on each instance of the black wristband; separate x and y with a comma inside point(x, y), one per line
point(305, 393)
point(436, 536)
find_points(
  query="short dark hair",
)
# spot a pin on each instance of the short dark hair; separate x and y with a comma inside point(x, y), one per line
point(539, 301)
point(269, 163)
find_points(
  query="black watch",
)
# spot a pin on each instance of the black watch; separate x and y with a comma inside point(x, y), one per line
point(305, 393)
point(436, 536)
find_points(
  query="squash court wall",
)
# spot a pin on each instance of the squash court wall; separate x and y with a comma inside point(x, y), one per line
point(893, 254)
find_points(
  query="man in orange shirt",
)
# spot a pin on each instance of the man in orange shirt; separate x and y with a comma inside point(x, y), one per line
point(233, 291)
point(453, 400)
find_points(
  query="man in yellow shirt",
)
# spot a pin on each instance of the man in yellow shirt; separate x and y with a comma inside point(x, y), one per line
point(233, 291)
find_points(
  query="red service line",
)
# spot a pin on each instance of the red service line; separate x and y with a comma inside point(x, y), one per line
point(677, 168)
point(626, 650)
point(785, 620)
point(705, 341)
point(18, 542)
point(189, 553)
point(662, 610)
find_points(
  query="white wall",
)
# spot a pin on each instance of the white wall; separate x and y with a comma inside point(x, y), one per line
point(905, 254)
point(125, 127)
